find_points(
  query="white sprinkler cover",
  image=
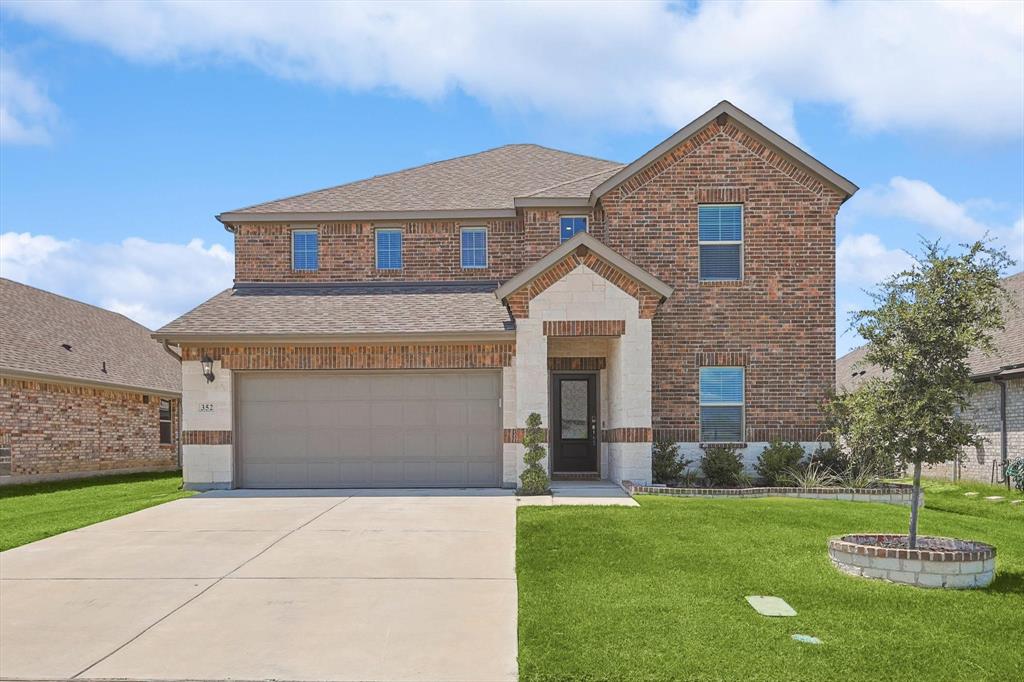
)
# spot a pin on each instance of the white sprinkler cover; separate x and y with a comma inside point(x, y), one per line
point(771, 606)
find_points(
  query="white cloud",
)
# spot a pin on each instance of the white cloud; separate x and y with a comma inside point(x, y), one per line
point(948, 67)
point(26, 113)
point(919, 202)
point(863, 259)
point(150, 282)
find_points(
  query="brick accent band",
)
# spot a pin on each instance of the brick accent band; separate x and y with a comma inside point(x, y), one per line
point(409, 356)
point(206, 438)
point(627, 434)
point(753, 435)
point(720, 195)
point(516, 435)
point(577, 364)
point(584, 327)
point(721, 359)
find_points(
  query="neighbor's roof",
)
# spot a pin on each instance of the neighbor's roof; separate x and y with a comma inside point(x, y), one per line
point(495, 182)
point(338, 311)
point(487, 182)
point(35, 324)
point(1008, 357)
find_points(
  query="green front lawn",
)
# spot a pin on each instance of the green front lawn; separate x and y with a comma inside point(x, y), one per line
point(657, 593)
point(34, 511)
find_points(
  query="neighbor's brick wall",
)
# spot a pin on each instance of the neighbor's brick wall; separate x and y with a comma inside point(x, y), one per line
point(60, 428)
point(780, 319)
point(984, 412)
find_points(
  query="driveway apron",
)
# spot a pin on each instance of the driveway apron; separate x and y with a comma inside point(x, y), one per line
point(282, 585)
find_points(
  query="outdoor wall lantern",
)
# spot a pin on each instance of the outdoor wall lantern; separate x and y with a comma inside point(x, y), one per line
point(207, 368)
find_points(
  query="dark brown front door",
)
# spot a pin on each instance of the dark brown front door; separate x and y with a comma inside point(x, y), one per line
point(574, 407)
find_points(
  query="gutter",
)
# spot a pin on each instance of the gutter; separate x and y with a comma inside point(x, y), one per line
point(177, 338)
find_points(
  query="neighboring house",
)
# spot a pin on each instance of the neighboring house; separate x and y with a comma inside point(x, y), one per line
point(82, 390)
point(997, 406)
point(398, 331)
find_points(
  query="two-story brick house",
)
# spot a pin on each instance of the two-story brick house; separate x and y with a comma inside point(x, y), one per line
point(398, 331)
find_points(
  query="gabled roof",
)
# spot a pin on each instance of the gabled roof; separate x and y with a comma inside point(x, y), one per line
point(725, 108)
point(477, 185)
point(344, 312)
point(603, 252)
point(1008, 358)
point(105, 348)
point(493, 183)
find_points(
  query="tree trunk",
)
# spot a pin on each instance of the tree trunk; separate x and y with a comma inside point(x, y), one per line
point(913, 505)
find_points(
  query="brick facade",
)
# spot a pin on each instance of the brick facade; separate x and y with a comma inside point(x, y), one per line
point(56, 428)
point(381, 356)
point(780, 319)
point(981, 463)
point(778, 322)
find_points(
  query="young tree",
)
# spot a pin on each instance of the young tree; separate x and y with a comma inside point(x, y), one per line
point(926, 321)
point(534, 479)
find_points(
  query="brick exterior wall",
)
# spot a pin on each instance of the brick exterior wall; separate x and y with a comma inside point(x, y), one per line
point(977, 463)
point(779, 320)
point(55, 428)
point(584, 327)
point(381, 356)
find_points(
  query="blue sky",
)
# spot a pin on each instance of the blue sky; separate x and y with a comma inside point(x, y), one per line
point(124, 128)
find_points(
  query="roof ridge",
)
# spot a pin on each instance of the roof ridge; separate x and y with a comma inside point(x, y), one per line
point(562, 151)
point(77, 301)
point(572, 180)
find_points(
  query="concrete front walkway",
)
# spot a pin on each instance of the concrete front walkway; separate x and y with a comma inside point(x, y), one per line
point(247, 585)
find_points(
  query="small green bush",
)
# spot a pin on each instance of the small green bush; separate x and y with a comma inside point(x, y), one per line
point(668, 467)
point(829, 458)
point(722, 466)
point(534, 479)
point(777, 460)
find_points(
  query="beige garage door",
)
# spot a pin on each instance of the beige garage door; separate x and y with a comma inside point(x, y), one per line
point(334, 429)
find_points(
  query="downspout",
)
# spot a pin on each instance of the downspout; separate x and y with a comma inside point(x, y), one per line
point(1003, 450)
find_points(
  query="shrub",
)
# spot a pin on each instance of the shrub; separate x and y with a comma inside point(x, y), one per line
point(862, 476)
point(829, 458)
point(777, 459)
point(534, 479)
point(667, 465)
point(722, 465)
point(814, 476)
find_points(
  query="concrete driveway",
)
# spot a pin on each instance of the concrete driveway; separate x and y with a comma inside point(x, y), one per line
point(297, 585)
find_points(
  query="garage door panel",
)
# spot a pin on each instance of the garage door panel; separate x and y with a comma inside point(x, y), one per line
point(451, 413)
point(481, 414)
point(332, 429)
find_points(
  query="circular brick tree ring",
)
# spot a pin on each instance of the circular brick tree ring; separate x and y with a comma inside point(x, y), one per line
point(936, 562)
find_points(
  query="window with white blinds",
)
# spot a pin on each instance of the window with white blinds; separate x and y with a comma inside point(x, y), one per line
point(305, 250)
point(720, 238)
point(721, 404)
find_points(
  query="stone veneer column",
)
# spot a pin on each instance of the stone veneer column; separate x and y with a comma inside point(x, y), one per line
point(629, 400)
point(531, 381)
point(206, 423)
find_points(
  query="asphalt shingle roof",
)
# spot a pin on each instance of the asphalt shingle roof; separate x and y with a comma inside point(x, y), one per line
point(345, 309)
point(35, 324)
point(490, 179)
point(1009, 343)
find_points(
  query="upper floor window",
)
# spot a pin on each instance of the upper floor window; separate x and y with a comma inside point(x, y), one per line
point(570, 225)
point(720, 237)
point(305, 250)
point(389, 249)
point(474, 247)
point(721, 404)
point(165, 421)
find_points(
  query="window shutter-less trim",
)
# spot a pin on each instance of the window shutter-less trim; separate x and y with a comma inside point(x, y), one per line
point(720, 235)
point(305, 249)
point(721, 404)
point(474, 247)
point(389, 249)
